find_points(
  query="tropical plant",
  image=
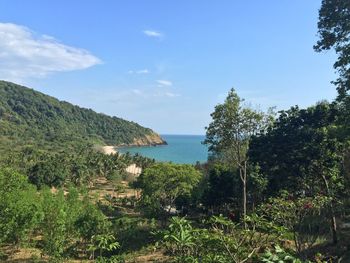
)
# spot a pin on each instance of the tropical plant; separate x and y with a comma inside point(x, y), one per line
point(179, 237)
point(102, 243)
point(279, 255)
point(220, 241)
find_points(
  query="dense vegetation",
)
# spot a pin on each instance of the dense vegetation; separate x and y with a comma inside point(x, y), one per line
point(28, 117)
point(66, 223)
point(275, 188)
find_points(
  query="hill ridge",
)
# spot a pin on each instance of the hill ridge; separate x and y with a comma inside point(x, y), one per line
point(34, 118)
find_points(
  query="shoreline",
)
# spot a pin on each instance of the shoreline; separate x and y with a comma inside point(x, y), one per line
point(132, 169)
point(113, 149)
point(109, 149)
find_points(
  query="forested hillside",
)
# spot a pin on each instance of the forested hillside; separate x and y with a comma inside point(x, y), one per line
point(29, 117)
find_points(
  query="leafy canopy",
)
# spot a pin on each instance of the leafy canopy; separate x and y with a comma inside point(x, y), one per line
point(334, 32)
point(163, 183)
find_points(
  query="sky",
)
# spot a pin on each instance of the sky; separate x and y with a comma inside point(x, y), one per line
point(166, 64)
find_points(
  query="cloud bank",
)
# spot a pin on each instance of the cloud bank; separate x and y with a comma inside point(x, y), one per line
point(25, 54)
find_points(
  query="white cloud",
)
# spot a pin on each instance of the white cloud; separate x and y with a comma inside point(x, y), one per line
point(144, 94)
point(152, 33)
point(165, 94)
point(169, 94)
point(25, 54)
point(141, 71)
point(164, 83)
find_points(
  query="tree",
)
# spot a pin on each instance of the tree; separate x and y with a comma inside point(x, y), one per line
point(230, 132)
point(303, 155)
point(79, 171)
point(68, 220)
point(48, 172)
point(91, 221)
point(334, 32)
point(20, 211)
point(222, 186)
point(163, 183)
point(54, 225)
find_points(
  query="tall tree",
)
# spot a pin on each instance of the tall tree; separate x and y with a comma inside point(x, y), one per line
point(334, 32)
point(230, 132)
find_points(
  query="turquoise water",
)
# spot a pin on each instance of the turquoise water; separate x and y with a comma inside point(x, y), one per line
point(180, 149)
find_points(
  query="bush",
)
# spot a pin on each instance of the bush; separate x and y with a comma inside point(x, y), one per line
point(20, 211)
point(303, 217)
point(220, 241)
point(278, 255)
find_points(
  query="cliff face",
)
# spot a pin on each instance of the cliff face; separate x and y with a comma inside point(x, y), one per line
point(149, 140)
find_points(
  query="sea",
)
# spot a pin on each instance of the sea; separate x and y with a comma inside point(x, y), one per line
point(181, 149)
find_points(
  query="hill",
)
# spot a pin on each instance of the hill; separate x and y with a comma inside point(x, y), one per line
point(29, 117)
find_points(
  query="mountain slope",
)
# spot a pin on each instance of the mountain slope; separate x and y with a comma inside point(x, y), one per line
point(28, 117)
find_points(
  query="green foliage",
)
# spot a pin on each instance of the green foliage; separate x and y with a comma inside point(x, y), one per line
point(112, 259)
point(68, 219)
point(62, 220)
point(163, 183)
point(28, 117)
point(223, 186)
point(142, 161)
point(279, 255)
point(55, 232)
point(303, 149)
point(296, 169)
point(90, 221)
point(230, 132)
point(103, 243)
point(334, 32)
point(220, 241)
point(20, 210)
point(303, 220)
point(78, 167)
point(49, 172)
point(135, 233)
point(180, 236)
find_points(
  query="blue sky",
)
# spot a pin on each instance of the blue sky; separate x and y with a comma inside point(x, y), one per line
point(166, 64)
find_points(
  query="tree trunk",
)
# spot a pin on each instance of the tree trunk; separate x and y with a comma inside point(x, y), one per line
point(245, 191)
point(333, 219)
point(243, 175)
point(334, 227)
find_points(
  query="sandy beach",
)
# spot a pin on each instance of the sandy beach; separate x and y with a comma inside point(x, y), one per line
point(109, 149)
point(131, 169)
